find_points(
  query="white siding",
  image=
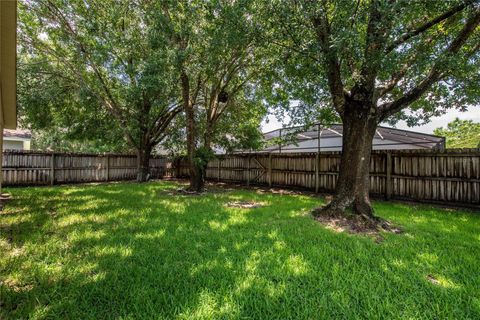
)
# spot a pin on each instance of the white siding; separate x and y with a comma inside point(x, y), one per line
point(12, 145)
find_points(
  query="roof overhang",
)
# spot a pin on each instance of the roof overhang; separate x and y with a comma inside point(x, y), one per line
point(8, 58)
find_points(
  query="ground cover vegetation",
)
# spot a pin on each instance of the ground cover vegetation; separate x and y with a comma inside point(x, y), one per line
point(127, 250)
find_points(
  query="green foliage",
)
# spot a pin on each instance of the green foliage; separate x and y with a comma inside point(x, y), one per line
point(54, 139)
point(92, 70)
point(97, 63)
point(395, 66)
point(202, 156)
point(220, 54)
point(137, 251)
point(461, 134)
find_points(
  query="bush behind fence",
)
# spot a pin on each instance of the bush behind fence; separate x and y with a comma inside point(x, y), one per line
point(451, 176)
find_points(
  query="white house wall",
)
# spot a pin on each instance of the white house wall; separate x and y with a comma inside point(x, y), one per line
point(12, 145)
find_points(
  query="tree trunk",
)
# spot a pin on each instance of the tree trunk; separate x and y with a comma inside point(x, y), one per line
point(197, 180)
point(143, 163)
point(352, 191)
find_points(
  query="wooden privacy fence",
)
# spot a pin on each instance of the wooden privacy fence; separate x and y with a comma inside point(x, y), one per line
point(451, 176)
point(41, 168)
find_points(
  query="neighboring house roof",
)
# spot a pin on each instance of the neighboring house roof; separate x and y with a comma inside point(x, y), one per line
point(398, 136)
point(18, 134)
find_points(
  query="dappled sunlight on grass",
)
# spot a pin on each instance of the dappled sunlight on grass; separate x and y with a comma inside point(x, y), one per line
point(137, 251)
point(296, 265)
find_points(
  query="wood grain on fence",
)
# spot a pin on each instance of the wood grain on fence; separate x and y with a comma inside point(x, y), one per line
point(451, 176)
point(41, 168)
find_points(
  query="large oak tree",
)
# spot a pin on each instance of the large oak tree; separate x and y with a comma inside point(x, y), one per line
point(375, 61)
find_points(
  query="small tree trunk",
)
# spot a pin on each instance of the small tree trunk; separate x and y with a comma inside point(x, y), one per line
point(352, 191)
point(196, 180)
point(143, 163)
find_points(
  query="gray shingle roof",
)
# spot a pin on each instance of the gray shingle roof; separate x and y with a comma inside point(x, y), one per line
point(18, 133)
point(335, 130)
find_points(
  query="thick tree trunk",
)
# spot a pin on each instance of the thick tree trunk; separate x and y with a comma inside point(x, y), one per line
point(197, 181)
point(195, 172)
point(352, 191)
point(143, 163)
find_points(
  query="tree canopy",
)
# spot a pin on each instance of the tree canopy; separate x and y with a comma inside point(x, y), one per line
point(461, 134)
point(418, 58)
point(96, 61)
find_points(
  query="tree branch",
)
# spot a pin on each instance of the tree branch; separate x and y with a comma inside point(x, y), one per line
point(376, 39)
point(415, 32)
point(322, 30)
point(436, 73)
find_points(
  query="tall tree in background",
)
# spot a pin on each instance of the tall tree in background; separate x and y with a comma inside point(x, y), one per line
point(218, 62)
point(461, 134)
point(89, 56)
point(372, 62)
point(60, 117)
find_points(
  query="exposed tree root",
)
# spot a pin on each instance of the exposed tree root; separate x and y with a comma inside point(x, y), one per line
point(352, 221)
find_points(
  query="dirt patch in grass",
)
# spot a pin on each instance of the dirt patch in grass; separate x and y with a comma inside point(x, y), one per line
point(244, 204)
point(432, 279)
point(210, 188)
point(220, 187)
point(16, 286)
point(186, 192)
point(356, 224)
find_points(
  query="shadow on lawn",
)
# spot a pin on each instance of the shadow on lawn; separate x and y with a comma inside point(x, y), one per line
point(132, 251)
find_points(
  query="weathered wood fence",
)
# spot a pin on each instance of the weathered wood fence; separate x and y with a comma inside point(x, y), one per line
point(451, 176)
point(42, 168)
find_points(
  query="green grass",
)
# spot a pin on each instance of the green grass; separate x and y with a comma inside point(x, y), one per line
point(130, 251)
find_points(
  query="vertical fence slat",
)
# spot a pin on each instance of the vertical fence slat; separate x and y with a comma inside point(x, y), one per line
point(269, 169)
point(388, 175)
point(52, 169)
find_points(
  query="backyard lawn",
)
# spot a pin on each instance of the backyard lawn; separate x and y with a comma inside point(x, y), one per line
point(130, 251)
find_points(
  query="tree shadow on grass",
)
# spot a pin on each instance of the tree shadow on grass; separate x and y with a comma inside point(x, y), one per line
point(129, 251)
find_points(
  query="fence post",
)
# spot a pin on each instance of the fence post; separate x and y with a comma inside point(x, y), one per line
point(248, 170)
point(108, 168)
point(317, 170)
point(388, 175)
point(219, 169)
point(269, 169)
point(52, 169)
